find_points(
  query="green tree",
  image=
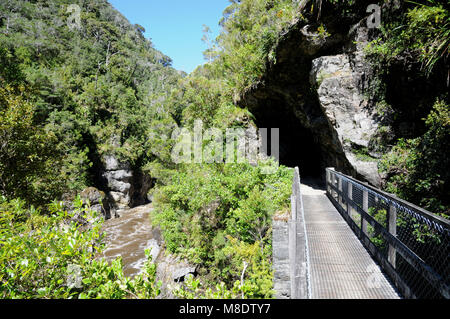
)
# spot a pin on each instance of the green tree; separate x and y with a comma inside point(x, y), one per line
point(28, 158)
point(417, 169)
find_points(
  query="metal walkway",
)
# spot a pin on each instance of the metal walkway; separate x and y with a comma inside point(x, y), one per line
point(354, 241)
point(339, 266)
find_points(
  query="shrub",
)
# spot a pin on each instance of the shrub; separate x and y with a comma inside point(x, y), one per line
point(52, 256)
point(417, 169)
point(219, 216)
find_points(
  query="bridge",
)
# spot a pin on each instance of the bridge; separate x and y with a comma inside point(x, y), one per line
point(354, 241)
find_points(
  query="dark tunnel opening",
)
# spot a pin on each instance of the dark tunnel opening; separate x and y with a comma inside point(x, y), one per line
point(298, 146)
point(287, 97)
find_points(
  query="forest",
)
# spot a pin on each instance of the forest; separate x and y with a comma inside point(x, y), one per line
point(69, 96)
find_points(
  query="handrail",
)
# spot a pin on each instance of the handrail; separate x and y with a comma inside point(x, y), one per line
point(438, 219)
point(300, 219)
point(289, 232)
point(299, 253)
point(404, 222)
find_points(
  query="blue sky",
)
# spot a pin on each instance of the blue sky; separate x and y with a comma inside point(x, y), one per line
point(175, 26)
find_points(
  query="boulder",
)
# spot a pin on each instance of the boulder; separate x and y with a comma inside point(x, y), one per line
point(121, 200)
point(155, 249)
point(111, 163)
point(97, 201)
point(342, 101)
point(127, 188)
point(179, 274)
point(93, 195)
point(172, 271)
point(118, 186)
point(120, 175)
point(367, 170)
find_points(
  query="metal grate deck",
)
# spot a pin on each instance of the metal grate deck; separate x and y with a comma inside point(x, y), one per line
point(340, 267)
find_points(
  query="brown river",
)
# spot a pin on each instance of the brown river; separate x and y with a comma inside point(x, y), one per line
point(128, 236)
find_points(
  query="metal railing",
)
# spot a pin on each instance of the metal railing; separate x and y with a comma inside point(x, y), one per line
point(410, 243)
point(298, 243)
point(289, 244)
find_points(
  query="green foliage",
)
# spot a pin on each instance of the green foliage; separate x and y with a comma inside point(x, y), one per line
point(219, 216)
point(251, 29)
point(104, 89)
point(193, 289)
point(53, 256)
point(28, 157)
point(417, 169)
point(422, 33)
point(380, 216)
point(249, 275)
point(96, 89)
point(362, 154)
point(322, 31)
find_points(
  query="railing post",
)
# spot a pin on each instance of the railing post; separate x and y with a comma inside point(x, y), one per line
point(340, 190)
point(392, 228)
point(292, 233)
point(366, 209)
point(350, 198)
point(335, 184)
point(292, 240)
point(331, 181)
point(328, 179)
point(297, 244)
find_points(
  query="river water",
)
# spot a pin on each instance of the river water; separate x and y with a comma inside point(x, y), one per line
point(128, 236)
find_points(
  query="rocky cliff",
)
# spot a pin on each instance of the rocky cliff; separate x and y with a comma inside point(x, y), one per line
point(125, 187)
point(315, 94)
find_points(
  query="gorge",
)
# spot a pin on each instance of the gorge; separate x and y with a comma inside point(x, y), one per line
point(86, 121)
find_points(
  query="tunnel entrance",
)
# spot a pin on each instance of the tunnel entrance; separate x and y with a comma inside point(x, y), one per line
point(286, 98)
point(298, 145)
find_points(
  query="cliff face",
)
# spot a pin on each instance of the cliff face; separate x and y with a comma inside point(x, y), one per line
point(125, 186)
point(340, 81)
point(315, 94)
